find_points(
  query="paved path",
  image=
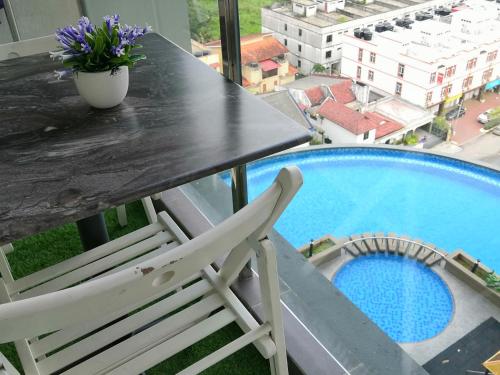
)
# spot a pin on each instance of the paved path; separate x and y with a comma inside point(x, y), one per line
point(467, 127)
point(485, 148)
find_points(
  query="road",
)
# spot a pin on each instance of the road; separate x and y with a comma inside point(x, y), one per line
point(467, 127)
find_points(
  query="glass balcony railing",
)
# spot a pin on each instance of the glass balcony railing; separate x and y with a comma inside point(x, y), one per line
point(388, 257)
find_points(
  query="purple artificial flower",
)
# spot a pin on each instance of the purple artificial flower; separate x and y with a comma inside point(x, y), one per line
point(69, 37)
point(111, 21)
point(85, 26)
point(117, 51)
point(86, 47)
point(130, 34)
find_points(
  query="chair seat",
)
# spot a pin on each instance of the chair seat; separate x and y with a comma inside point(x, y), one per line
point(142, 336)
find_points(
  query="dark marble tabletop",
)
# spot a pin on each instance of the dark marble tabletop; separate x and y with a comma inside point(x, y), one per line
point(61, 160)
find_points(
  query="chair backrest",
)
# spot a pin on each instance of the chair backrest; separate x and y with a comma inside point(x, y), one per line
point(27, 47)
point(50, 312)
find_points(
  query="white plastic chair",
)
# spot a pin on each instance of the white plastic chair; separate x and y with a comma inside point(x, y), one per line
point(118, 309)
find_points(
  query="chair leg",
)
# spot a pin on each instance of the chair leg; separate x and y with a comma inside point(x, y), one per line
point(269, 286)
point(5, 272)
point(149, 209)
point(121, 211)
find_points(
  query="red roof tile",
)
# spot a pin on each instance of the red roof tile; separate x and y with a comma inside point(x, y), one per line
point(260, 50)
point(268, 65)
point(355, 122)
point(342, 92)
point(315, 95)
point(385, 126)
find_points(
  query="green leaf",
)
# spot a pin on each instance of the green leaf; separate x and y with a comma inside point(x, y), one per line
point(136, 58)
point(99, 45)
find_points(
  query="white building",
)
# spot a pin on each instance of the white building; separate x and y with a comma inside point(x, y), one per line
point(433, 65)
point(313, 30)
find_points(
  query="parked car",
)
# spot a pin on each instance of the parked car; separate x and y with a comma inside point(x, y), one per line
point(455, 113)
point(484, 117)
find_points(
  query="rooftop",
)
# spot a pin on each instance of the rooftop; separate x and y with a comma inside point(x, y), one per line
point(356, 122)
point(351, 11)
point(257, 48)
point(314, 80)
point(432, 40)
point(284, 103)
point(342, 92)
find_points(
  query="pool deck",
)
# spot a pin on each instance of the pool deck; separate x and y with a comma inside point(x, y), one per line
point(470, 310)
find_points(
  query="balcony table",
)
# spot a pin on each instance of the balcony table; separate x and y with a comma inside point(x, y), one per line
point(63, 161)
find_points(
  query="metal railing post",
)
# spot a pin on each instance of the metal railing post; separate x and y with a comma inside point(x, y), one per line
point(11, 20)
point(231, 68)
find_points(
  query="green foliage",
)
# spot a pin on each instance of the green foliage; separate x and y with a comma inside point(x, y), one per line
point(318, 68)
point(495, 113)
point(101, 59)
point(441, 123)
point(410, 139)
point(492, 123)
point(315, 142)
point(493, 281)
point(204, 18)
point(342, 19)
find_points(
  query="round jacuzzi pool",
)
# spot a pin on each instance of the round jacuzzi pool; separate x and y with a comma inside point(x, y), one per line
point(406, 299)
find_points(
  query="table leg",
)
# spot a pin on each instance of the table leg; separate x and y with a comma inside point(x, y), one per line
point(93, 231)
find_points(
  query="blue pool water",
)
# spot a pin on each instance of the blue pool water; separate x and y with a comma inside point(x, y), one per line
point(406, 299)
point(347, 191)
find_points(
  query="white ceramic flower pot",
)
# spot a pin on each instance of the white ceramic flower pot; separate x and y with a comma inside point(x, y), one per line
point(103, 89)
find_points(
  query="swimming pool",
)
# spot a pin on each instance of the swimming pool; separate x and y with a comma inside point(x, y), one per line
point(352, 190)
point(406, 299)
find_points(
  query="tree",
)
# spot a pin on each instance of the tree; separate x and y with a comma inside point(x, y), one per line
point(318, 68)
point(203, 21)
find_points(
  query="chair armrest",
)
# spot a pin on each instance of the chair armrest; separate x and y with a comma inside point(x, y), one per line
point(6, 367)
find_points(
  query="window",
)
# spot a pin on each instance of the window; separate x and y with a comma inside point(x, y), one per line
point(401, 70)
point(300, 47)
point(370, 75)
point(471, 64)
point(467, 82)
point(360, 54)
point(328, 54)
point(285, 42)
point(487, 75)
point(433, 77)
point(299, 64)
point(300, 32)
point(372, 57)
point(450, 71)
point(329, 38)
point(286, 27)
point(399, 88)
point(366, 135)
point(358, 72)
point(445, 91)
point(492, 56)
point(428, 98)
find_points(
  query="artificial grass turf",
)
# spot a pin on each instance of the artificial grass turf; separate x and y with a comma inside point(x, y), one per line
point(48, 248)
